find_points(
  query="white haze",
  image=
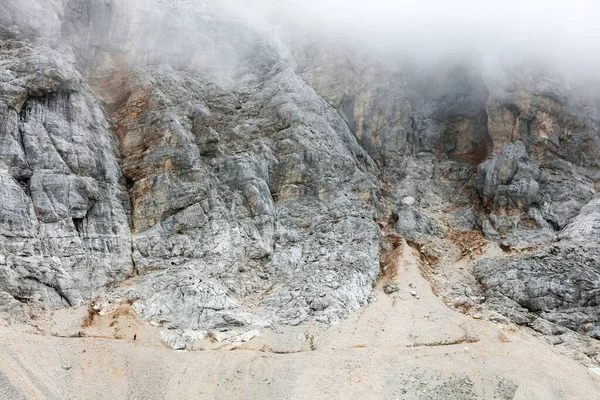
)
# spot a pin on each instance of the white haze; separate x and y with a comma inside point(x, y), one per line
point(563, 33)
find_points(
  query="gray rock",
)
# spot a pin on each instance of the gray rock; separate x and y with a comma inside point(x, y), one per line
point(173, 339)
point(390, 288)
point(463, 220)
point(246, 185)
point(415, 225)
point(509, 180)
point(64, 223)
point(585, 227)
point(365, 92)
point(408, 201)
point(560, 284)
point(489, 231)
point(230, 179)
point(563, 194)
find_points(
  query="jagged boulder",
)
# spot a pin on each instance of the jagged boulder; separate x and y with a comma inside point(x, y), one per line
point(560, 284)
point(416, 226)
point(509, 180)
point(585, 227)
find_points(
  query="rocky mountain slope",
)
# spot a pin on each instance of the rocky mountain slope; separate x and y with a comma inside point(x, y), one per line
point(220, 176)
point(399, 347)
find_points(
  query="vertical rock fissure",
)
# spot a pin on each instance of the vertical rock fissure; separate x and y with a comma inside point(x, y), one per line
point(78, 223)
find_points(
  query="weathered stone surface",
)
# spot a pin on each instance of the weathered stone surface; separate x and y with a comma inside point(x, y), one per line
point(556, 118)
point(245, 192)
point(585, 227)
point(509, 180)
point(371, 95)
point(222, 176)
point(64, 214)
point(267, 212)
point(415, 225)
point(449, 102)
point(560, 284)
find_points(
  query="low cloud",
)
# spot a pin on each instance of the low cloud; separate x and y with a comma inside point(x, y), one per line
point(563, 33)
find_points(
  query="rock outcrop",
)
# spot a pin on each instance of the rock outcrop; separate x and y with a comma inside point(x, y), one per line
point(549, 289)
point(64, 216)
point(219, 196)
point(219, 175)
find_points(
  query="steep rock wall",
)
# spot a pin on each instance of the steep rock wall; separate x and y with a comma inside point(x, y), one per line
point(215, 174)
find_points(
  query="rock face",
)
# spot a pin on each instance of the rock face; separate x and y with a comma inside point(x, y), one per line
point(232, 197)
point(509, 180)
point(585, 227)
point(222, 196)
point(371, 95)
point(64, 219)
point(556, 287)
point(218, 175)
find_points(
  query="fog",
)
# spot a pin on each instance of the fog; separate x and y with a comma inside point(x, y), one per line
point(563, 33)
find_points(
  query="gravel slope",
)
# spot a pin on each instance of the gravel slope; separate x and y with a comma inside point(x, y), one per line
point(400, 347)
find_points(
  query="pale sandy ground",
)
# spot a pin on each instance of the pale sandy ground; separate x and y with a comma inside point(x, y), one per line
point(400, 347)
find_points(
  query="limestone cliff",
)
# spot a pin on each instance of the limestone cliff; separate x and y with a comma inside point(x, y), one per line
point(224, 176)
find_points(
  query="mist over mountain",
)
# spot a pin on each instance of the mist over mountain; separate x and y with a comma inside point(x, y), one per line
point(311, 184)
point(501, 33)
